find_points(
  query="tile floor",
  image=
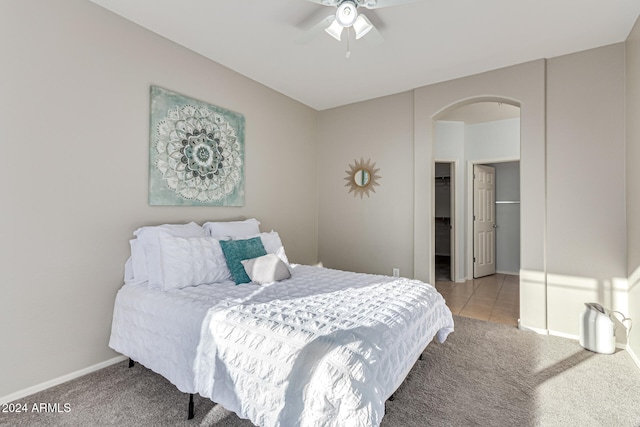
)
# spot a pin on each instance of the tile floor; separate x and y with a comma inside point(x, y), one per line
point(494, 298)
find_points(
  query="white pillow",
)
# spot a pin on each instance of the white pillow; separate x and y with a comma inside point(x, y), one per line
point(232, 229)
point(272, 244)
point(128, 271)
point(138, 261)
point(266, 269)
point(145, 250)
point(191, 261)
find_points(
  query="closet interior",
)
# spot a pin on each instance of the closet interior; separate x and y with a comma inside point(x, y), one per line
point(443, 221)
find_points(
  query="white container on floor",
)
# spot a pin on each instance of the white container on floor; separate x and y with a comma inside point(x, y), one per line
point(597, 329)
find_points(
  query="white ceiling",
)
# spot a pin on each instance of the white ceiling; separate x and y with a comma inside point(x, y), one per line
point(425, 42)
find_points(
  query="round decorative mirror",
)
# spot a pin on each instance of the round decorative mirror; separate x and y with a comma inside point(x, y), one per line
point(362, 177)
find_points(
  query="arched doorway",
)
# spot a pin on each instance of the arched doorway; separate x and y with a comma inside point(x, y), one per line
point(480, 133)
point(522, 85)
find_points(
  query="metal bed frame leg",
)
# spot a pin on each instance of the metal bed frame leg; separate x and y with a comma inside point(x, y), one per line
point(190, 415)
point(191, 412)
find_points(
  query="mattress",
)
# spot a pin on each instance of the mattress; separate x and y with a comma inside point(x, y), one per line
point(325, 347)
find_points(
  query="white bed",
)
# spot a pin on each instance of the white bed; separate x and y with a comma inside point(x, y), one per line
point(322, 348)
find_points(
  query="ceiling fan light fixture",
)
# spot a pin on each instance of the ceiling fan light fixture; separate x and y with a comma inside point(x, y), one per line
point(346, 14)
point(335, 30)
point(362, 26)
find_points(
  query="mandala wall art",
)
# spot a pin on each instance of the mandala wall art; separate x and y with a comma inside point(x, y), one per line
point(196, 155)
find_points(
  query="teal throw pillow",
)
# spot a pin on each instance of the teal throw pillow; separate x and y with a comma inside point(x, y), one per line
point(236, 251)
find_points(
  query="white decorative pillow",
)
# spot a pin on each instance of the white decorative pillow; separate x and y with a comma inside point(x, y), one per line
point(266, 269)
point(272, 244)
point(191, 261)
point(232, 229)
point(145, 249)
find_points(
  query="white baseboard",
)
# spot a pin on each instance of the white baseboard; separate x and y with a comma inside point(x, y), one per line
point(564, 335)
point(621, 346)
point(532, 329)
point(634, 357)
point(508, 273)
point(63, 379)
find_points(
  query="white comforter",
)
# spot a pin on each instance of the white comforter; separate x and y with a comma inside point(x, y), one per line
point(332, 345)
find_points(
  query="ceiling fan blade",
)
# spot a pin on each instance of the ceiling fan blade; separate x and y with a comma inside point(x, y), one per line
point(326, 2)
point(377, 4)
point(316, 29)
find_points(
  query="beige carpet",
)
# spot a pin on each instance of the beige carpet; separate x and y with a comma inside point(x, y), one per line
point(486, 374)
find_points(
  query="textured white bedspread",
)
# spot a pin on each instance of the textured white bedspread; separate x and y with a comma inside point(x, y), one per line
point(332, 345)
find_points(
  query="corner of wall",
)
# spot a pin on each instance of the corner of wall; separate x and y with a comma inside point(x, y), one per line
point(633, 343)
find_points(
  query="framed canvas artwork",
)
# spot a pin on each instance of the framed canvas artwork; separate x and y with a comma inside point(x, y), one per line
point(196, 152)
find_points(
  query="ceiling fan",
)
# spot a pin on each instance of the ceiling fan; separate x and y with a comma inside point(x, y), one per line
point(347, 16)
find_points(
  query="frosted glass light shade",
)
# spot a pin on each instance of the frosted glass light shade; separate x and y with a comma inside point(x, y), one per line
point(334, 30)
point(362, 26)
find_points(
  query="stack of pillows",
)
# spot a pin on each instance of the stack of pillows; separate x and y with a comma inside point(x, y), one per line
point(173, 256)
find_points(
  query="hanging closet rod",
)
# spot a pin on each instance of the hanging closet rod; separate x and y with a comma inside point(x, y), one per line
point(508, 201)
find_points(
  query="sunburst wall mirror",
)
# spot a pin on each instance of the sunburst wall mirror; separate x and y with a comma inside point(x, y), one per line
point(362, 177)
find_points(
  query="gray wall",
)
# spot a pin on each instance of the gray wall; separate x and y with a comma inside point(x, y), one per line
point(633, 180)
point(75, 138)
point(507, 217)
point(371, 234)
point(586, 242)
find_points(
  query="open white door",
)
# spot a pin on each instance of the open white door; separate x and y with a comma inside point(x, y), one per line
point(484, 220)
